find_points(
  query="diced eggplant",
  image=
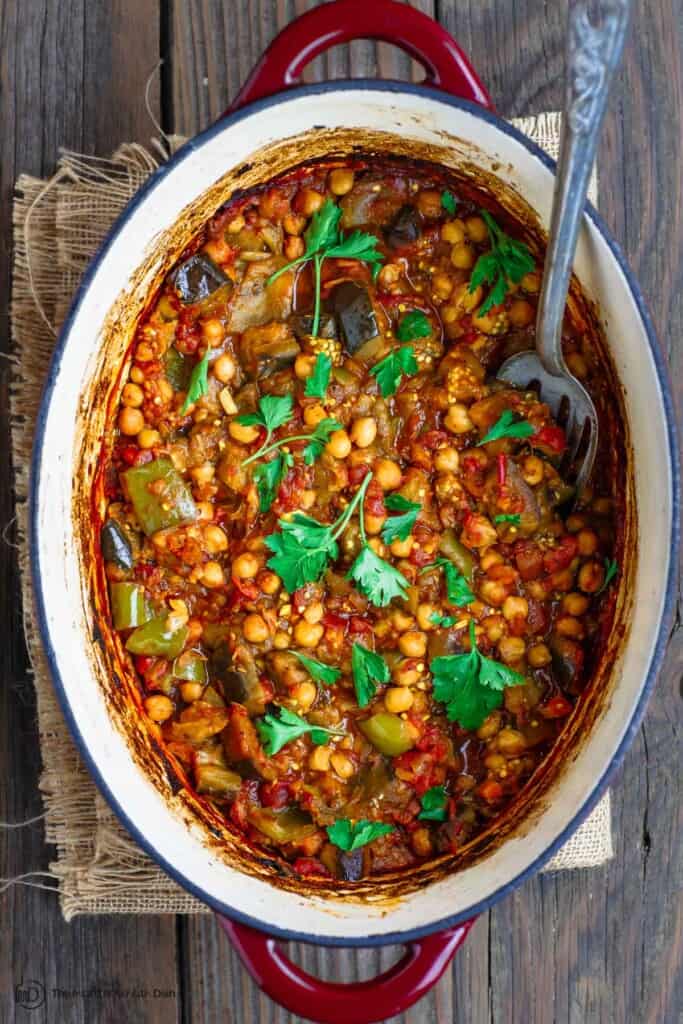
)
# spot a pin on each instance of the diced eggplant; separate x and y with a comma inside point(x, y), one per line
point(302, 324)
point(239, 678)
point(268, 348)
point(197, 278)
point(351, 865)
point(352, 305)
point(255, 302)
point(568, 658)
point(116, 547)
point(404, 229)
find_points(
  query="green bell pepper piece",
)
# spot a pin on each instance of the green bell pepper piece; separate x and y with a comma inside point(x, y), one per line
point(462, 559)
point(156, 639)
point(191, 667)
point(388, 733)
point(170, 503)
point(211, 778)
point(288, 826)
point(129, 605)
point(178, 369)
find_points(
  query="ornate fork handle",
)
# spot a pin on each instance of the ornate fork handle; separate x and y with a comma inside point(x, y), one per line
point(593, 53)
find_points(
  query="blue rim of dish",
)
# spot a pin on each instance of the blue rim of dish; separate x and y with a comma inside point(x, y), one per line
point(666, 621)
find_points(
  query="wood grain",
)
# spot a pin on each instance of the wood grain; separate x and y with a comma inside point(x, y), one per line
point(580, 947)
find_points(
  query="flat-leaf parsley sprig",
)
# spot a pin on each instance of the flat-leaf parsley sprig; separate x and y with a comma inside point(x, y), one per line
point(457, 588)
point(507, 426)
point(351, 835)
point(391, 370)
point(324, 240)
point(368, 669)
point(471, 685)
point(376, 578)
point(507, 260)
point(279, 727)
point(199, 383)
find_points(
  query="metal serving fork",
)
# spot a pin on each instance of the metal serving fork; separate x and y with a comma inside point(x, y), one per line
point(593, 54)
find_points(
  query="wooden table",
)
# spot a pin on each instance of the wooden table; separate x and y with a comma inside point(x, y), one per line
point(577, 947)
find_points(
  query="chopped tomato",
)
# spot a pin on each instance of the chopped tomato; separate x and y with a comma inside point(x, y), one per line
point(557, 707)
point(309, 866)
point(561, 555)
point(491, 791)
point(551, 437)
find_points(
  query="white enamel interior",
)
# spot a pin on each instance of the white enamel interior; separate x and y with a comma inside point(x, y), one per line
point(408, 115)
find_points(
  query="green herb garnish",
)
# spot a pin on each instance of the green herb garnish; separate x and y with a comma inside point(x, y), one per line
point(442, 620)
point(350, 836)
point(457, 588)
point(376, 578)
point(317, 383)
point(276, 729)
point(611, 571)
point(368, 669)
point(322, 673)
point(507, 426)
point(413, 325)
point(449, 202)
point(199, 383)
point(325, 241)
point(471, 685)
point(513, 518)
point(318, 439)
point(273, 411)
point(392, 368)
point(507, 260)
point(268, 476)
point(399, 527)
point(434, 804)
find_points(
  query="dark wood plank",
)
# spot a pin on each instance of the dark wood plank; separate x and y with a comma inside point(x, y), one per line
point(71, 74)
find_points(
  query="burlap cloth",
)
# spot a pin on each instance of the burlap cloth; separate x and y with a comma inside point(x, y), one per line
point(58, 226)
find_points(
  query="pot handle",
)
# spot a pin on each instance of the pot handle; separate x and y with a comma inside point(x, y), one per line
point(445, 63)
point(328, 1002)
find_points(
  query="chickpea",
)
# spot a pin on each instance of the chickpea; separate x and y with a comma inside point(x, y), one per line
point(402, 621)
point(442, 285)
point(494, 322)
point(136, 375)
point(339, 444)
point(453, 231)
point(511, 649)
point(532, 470)
point(191, 691)
point(144, 353)
point(388, 474)
point(270, 583)
point(494, 762)
point(307, 499)
point(539, 655)
point(343, 765)
point(374, 524)
point(493, 592)
point(213, 332)
point(314, 613)
point(281, 641)
point(563, 580)
point(294, 247)
point(494, 627)
point(476, 229)
point(224, 368)
point(131, 421)
point(421, 841)
point(490, 726)
point(203, 474)
point(308, 634)
point(429, 203)
point(213, 575)
point(446, 460)
point(531, 282)
point(463, 256)
point(577, 365)
point(235, 225)
point(575, 604)
point(464, 300)
point(510, 741)
point(308, 201)
point(575, 522)
point(424, 615)
point(521, 313)
point(490, 559)
point(242, 433)
point(397, 699)
point(340, 181)
point(389, 275)
point(567, 625)
point(457, 419)
point(401, 548)
point(537, 589)
point(245, 566)
point(376, 544)
point(364, 431)
point(255, 629)
point(588, 542)
point(602, 506)
point(159, 707)
point(293, 224)
point(303, 366)
point(313, 414)
point(148, 438)
point(514, 606)
point(405, 675)
point(413, 644)
point(305, 694)
point(215, 539)
point(132, 396)
point(165, 389)
point(319, 759)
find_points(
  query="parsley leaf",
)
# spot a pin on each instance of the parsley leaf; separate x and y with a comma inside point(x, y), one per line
point(368, 669)
point(322, 673)
point(377, 579)
point(457, 587)
point(507, 426)
point(350, 836)
point(199, 383)
point(507, 260)
point(276, 729)
point(513, 518)
point(434, 804)
point(273, 411)
point(415, 324)
point(317, 383)
point(319, 438)
point(470, 685)
point(390, 369)
point(268, 476)
point(399, 527)
point(357, 246)
point(611, 571)
point(449, 202)
point(443, 620)
point(324, 227)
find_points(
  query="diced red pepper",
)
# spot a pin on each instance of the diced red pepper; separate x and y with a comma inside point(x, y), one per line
point(491, 791)
point(502, 467)
point(557, 707)
point(274, 794)
point(551, 437)
point(307, 866)
point(561, 556)
point(528, 559)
